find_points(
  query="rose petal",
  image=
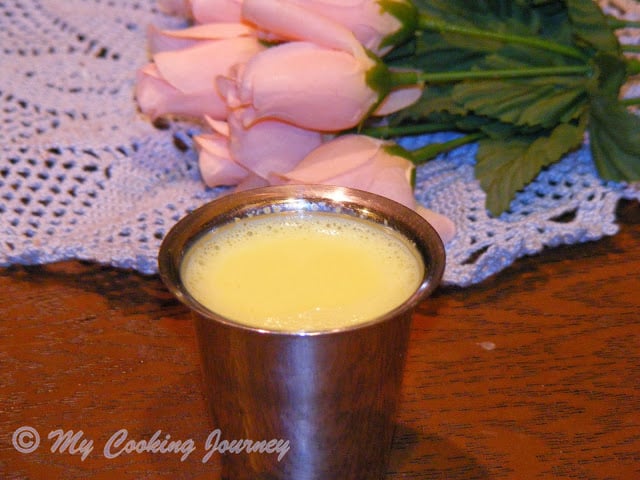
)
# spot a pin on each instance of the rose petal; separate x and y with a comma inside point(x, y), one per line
point(307, 85)
point(252, 181)
point(219, 126)
point(294, 22)
point(335, 158)
point(442, 224)
point(156, 97)
point(369, 23)
point(398, 99)
point(362, 162)
point(270, 147)
point(194, 69)
point(391, 178)
point(164, 40)
point(212, 11)
point(216, 165)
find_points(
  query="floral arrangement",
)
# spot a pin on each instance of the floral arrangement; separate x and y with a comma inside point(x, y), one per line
point(316, 91)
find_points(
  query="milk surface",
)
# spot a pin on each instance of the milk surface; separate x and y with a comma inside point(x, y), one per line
point(302, 272)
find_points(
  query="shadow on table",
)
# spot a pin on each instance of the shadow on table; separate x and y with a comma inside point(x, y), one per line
point(125, 289)
point(428, 456)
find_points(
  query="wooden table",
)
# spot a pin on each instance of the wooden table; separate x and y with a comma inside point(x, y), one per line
point(533, 374)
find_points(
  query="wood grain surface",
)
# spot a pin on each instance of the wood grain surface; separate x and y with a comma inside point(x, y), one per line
point(533, 374)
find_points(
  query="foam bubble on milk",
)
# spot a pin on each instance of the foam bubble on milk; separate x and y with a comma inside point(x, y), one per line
point(345, 240)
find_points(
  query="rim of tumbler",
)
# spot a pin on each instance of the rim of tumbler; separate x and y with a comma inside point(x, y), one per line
point(295, 198)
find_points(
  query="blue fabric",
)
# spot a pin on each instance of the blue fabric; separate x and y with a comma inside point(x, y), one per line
point(84, 176)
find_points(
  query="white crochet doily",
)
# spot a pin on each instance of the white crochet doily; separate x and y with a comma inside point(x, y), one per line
point(84, 176)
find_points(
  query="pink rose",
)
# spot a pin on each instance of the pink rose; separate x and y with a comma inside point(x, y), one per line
point(358, 161)
point(365, 163)
point(376, 25)
point(397, 99)
point(269, 147)
point(211, 11)
point(284, 20)
point(301, 83)
point(163, 40)
point(217, 167)
point(203, 11)
point(325, 65)
point(182, 82)
point(233, 153)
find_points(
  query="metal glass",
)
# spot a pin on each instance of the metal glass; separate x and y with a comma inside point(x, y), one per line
point(332, 395)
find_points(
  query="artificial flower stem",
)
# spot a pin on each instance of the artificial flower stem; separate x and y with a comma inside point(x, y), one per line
point(407, 78)
point(630, 102)
point(617, 23)
point(428, 152)
point(633, 66)
point(425, 22)
point(403, 130)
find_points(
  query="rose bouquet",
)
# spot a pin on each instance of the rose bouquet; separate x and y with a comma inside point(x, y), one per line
point(316, 91)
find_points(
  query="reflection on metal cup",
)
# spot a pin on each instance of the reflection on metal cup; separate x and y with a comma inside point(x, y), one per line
point(303, 405)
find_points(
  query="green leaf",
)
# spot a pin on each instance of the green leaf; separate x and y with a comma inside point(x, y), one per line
point(524, 56)
point(438, 51)
point(525, 123)
point(435, 99)
point(519, 17)
point(506, 166)
point(435, 52)
point(535, 102)
point(614, 138)
point(611, 73)
point(500, 131)
point(554, 18)
point(589, 25)
point(406, 14)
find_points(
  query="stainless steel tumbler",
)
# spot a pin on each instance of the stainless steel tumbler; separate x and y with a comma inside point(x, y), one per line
point(303, 406)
